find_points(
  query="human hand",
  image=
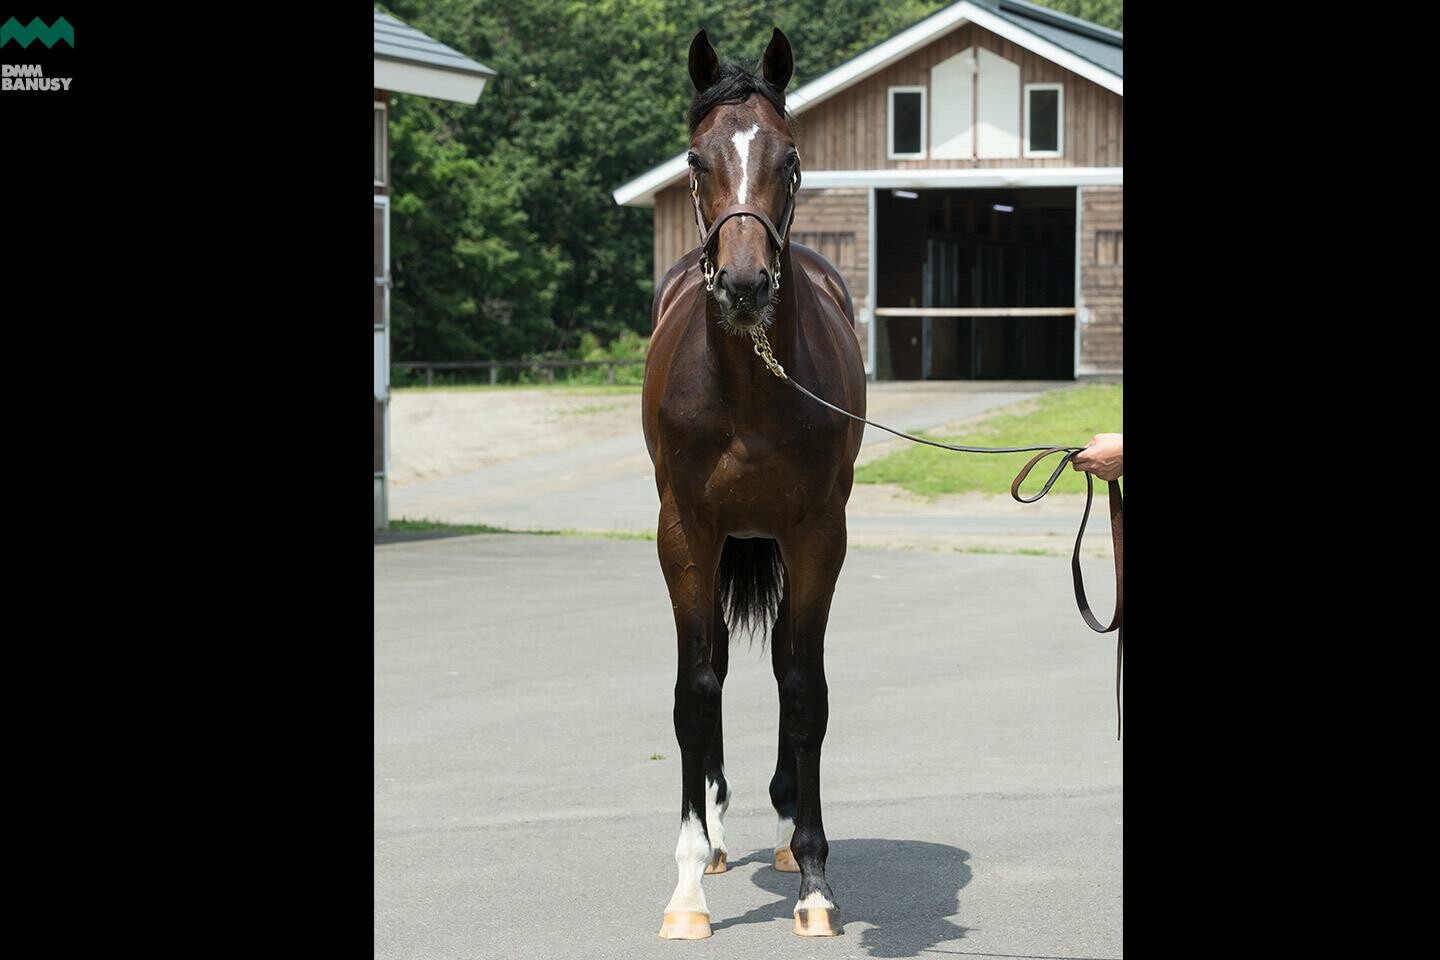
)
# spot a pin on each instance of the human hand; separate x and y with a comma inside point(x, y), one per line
point(1101, 456)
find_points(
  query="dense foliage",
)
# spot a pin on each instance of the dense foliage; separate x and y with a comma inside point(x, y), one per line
point(506, 241)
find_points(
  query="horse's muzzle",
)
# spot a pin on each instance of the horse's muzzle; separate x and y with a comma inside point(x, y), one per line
point(742, 290)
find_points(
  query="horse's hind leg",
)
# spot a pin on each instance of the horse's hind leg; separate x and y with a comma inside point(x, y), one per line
point(813, 557)
point(689, 559)
point(782, 785)
point(717, 788)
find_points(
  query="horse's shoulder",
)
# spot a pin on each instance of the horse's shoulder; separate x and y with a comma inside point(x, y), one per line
point(824, 277)
point(670, 287)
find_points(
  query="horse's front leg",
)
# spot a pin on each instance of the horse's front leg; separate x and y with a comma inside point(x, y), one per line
point(689, 556)
point(717, 789)
point(813, 558)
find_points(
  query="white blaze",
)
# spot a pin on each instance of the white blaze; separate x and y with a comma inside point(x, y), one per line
point(742, 147)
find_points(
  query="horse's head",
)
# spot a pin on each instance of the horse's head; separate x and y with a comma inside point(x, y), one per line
point(742, 154)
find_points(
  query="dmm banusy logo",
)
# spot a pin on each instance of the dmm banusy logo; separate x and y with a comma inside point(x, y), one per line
point(37, 29)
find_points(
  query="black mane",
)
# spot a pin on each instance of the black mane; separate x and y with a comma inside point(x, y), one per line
point(735, 85)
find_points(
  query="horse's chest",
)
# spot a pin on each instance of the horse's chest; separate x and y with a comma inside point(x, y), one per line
point(745, 473)
point(747, 459)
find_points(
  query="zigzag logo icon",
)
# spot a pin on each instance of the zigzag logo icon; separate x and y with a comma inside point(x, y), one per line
point(37, 30)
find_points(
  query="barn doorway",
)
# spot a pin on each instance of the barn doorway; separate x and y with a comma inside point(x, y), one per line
point(975, 284)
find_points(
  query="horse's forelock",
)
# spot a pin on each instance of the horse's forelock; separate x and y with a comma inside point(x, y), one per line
point(736, 85)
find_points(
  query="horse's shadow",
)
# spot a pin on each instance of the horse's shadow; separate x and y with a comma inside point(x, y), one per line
point(904, 889)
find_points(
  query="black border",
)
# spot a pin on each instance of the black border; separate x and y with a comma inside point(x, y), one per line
point(232, 155)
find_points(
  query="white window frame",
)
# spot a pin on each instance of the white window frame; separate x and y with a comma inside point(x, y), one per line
point(384, 145)
point(1059, 120)
point(890, 153)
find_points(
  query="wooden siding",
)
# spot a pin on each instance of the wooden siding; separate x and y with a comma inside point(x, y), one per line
point(675, 231)
point(847, 132)
point(836, 223)
point(1102, 280)
point(824, 219)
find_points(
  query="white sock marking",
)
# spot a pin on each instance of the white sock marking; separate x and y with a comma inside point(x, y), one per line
point(742, 147)
point(715, 814)
point(784, 830)
point(692, 854)
point(814, 901)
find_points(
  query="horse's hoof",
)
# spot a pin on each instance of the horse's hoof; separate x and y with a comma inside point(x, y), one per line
point(685, 925)
point(718, 865)
point(818, 922)
point(785, 861)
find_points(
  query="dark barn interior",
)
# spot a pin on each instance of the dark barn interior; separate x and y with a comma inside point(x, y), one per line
point(976, 248)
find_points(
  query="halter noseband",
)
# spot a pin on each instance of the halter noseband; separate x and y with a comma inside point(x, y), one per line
point(707, 237)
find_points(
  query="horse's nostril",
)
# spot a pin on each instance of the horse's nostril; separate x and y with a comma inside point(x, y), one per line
point(761, 296)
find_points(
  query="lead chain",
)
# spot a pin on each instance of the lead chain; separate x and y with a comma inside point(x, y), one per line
point(762, 350)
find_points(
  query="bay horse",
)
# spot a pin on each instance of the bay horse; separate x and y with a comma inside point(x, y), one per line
point(752, 485)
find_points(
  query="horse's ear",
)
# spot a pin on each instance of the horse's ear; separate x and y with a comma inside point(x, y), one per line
point(704, 65)
point(779, 61)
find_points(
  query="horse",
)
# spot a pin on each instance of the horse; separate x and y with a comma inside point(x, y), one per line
point(752, 485)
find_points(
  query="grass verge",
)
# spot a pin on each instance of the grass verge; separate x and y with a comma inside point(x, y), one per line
point(1068, 417)
point(580, 389)
point(466, 529)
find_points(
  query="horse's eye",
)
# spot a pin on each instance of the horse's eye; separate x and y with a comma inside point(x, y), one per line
point(694, 162)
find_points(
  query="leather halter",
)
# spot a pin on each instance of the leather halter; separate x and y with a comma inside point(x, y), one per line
point(708, 236)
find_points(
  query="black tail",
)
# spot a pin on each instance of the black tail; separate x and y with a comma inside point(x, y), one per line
point(751, 580)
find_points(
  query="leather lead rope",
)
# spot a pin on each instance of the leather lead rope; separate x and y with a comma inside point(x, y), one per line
point(1117, 531)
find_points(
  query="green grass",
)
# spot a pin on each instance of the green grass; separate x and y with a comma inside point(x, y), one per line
point(580, 389)
point(433, 526)
point(1066, 417)
point(465, 529)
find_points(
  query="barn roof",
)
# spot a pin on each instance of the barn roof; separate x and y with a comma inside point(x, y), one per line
point(408, 61)
point(1100, 45)
point(1092, 51)
point(395, 40)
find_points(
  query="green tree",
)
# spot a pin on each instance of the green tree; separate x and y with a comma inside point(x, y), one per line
point(472, 278)
point(1106, 13)
point(507, 240)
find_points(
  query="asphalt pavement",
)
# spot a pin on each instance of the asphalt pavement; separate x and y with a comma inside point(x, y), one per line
point(972, 780)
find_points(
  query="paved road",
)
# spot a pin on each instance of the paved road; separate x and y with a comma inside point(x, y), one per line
point(972, 777)
point(608, 483)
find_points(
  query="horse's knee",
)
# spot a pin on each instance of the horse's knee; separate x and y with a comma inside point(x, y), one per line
point(804, 708)
point(697, 704)
point(782, 792)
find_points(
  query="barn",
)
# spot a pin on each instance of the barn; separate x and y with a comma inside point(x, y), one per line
point(406, 61)
point(966, 177)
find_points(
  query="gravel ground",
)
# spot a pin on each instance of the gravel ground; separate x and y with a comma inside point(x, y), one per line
point(576, 460)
